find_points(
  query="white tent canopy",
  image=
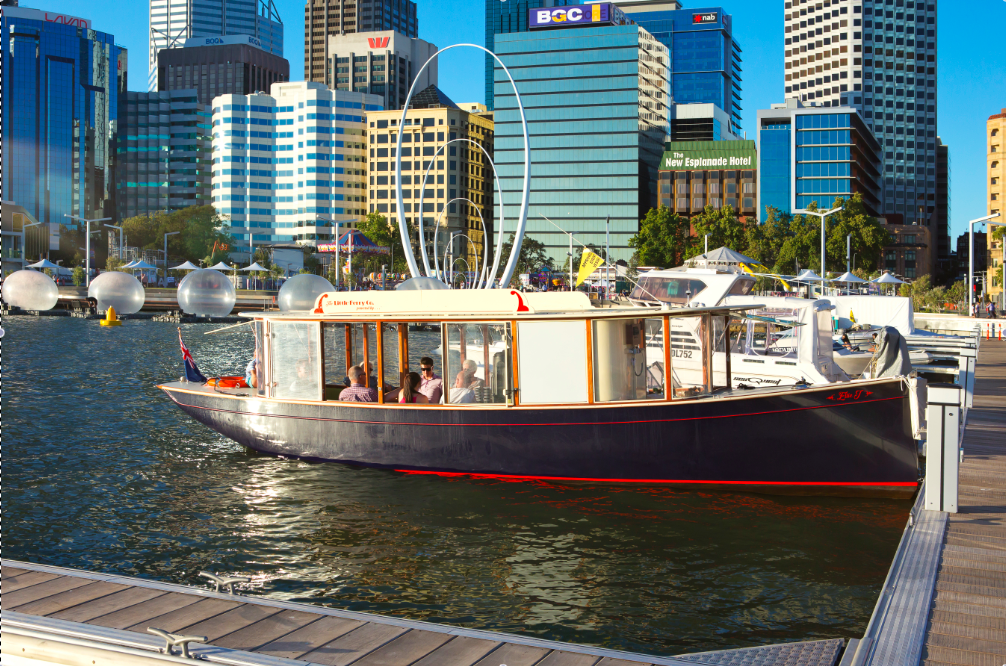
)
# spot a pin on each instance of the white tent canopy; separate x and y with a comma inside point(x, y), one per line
point(849, 277)
point(187, 266)
point(809, 276)
point(221, 266)
point(256, 267)
point(131, 264)
point(142, 266)
point(887, 278)
point(45, 263)
point(720, 257)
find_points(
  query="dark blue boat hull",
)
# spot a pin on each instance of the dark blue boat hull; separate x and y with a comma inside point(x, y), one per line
point(846, 440)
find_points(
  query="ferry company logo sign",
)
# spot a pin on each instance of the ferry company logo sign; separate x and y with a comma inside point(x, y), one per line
point(560, 17)
point(728, 157)
point(335, 303)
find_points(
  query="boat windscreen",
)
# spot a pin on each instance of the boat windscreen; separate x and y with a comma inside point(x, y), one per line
point(676, 290)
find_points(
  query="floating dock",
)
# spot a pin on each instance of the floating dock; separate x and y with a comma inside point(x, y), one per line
point(67, 616)
point(944, 601)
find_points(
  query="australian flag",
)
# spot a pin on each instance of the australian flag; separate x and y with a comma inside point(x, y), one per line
point(192, 373)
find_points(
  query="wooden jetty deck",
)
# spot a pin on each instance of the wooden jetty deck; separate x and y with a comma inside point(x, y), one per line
point(95, 609)
point(944, 602)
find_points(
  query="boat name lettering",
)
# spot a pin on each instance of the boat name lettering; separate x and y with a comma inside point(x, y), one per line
point(845, 396)
point(681, 353)
point(758, 380)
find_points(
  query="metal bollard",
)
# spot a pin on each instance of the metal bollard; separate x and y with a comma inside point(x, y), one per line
point(966, 376)
point(943, 454)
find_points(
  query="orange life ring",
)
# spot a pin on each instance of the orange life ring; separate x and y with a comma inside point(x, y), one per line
point(228, 382)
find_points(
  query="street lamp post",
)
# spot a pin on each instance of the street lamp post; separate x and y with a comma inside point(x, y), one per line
point(705, 254)
point(823, 216)
point(170, 233)
point(112, 226)
point(87, 243)
point(848, 253)
point(971, 259)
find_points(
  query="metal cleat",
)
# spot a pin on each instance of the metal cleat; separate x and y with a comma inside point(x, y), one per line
point(226, 581)
point(176, 640)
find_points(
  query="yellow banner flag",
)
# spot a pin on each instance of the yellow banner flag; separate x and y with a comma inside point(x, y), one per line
point(589, 263)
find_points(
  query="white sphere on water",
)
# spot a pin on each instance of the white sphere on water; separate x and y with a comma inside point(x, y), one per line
point(30, 290)
point(301, 292)
point(207, 292)
point(121, 291)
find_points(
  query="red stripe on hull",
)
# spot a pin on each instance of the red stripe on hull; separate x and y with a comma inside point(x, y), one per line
point(476, 475)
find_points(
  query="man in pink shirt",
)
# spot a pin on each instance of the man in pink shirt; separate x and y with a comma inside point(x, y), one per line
point(430, 384)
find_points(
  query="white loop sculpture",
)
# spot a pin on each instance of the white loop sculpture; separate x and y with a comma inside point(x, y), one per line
point(485, 240)
point(522, 219)
point(422, 197)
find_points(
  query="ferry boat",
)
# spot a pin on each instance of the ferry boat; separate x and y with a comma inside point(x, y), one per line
point(565, 392)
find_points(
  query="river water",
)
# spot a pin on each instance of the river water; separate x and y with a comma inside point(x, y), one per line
point(102, 472)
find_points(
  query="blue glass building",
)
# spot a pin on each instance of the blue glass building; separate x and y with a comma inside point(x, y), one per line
point(705, 59)
point(504, 17)
point(815, 154)
point(596, 104)
point(62, 82)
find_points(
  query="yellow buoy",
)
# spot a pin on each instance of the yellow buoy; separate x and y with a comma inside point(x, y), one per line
point(110, 318)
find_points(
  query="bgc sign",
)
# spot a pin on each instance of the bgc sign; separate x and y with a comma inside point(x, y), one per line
point(561, 17)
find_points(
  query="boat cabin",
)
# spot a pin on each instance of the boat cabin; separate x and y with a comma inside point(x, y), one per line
point(495, 348)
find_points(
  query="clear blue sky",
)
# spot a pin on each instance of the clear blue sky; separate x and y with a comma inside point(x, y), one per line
point(972, 78)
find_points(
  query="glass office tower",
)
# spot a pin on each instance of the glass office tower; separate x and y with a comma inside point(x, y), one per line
point(879, 57)
point(59, 134)
point(813, 154)
point(504, 18)
point(174, 21)
point(705, 64)
point(596, 104)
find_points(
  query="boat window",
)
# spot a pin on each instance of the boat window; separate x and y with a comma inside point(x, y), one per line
point(628, 359)
point(689, 365)
point(258, 330)
point(472, 348)
point(676, 290)
point(726, 331)
point(295, 360)
point(552, 366)
point(741, 287)
point(392, 364)
point(424, 342)
point(771, 332)
point(363, 352)
point(334, 337)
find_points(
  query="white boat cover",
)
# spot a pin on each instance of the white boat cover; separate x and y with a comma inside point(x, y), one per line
point(893, 311)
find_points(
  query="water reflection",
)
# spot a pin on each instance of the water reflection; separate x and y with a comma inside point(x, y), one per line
point(103, 472)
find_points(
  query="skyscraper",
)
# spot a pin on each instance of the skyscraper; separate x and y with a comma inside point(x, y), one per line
point(59, 138)
point(705, 66)
point(174, 21)
point(503, 18)
point(879, 57)
point(380, 63)
point(217, 66)
point(324, 18)
point(595, 94)
point(294, 183)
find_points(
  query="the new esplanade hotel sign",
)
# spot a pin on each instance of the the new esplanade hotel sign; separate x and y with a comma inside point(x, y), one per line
point(692, 160)
point(601, 13)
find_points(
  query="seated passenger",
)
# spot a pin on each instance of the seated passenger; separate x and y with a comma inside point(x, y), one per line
point(305, 382)
point(372, 380)
point(470, 367)
point(430, 384)
point(357, 392)
point(462, 392)
point(410, 394)
point(251, 372)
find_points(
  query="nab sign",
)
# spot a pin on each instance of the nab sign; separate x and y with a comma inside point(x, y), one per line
point(706, 17)
point(561, 17)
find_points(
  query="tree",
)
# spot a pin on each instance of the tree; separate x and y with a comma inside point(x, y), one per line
point(763, 242)
point(200, 233)
point(723, 227)
point(532, 258)
point(378, 229)
point(79, 275)
point(664, 238)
